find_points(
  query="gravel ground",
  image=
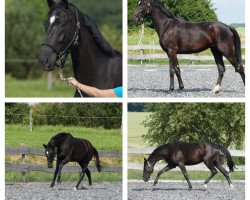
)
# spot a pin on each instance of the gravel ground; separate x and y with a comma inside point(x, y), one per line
point(198, 82)
point(179, 191)
point(64, 191)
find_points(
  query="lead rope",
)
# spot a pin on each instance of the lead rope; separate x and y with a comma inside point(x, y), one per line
point(63, 78)
point(139, 43)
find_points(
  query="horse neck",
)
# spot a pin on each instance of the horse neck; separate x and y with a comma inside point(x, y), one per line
point(157, 17)
point(85, 58)
point(156, 156)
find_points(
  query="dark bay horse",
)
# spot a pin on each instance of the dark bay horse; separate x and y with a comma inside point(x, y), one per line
point(181, 154)
point(70, 149)
point(177, 36)
point(95, 62)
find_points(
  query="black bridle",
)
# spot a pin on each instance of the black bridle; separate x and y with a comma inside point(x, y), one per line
point(62, 55)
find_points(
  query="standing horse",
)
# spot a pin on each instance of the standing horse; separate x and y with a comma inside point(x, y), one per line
point(181, 154)
point(178, 36)
point(95, 62)
point(70, 149)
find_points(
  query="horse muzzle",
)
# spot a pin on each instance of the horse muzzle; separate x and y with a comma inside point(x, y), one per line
point(47, 59)
point(145, 179)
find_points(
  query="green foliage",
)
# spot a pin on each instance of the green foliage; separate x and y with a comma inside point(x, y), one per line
point(106, 115)
point(222, 123)
point(25, 32)
point(190, 10)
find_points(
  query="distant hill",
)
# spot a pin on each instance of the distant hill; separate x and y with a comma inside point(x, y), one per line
point(237, 25)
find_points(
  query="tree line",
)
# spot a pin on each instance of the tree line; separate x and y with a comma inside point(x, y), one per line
point(222, 123)
point(190, 10)
point(105, 115)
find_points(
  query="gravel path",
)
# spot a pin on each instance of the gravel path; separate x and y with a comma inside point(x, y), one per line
point(179, 191)
point(198, 82)
point(64, 191)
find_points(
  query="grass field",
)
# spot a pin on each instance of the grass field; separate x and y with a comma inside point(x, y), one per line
point(136, 129)
point(102, 139)
point(36, 88)
point(193, 175)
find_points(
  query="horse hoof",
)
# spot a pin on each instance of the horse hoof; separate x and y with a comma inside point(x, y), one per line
point(181, 87)
point(154, 184)
point(75, 189)
point(171, 89)
point(232, 186)
point(205, 187)
point(216, 89)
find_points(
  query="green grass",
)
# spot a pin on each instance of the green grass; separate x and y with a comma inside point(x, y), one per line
point(136, 129)
point(44, 177)
point(102, 139)
point(193, 175)
point(36, 88)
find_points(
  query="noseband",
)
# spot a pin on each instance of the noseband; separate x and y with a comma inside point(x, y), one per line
point(62, 55)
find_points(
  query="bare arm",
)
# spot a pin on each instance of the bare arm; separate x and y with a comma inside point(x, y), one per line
point(92, 91)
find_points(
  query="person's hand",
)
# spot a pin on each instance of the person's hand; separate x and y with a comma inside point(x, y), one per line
point(72, 81)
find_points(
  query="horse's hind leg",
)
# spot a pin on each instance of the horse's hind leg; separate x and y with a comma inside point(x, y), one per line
point(184, 172)
point(174, 68)
point(221, 68)
point(88, 175)
point(225, 173)
point(213, 173)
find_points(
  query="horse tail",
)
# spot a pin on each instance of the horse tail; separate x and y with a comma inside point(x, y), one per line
point(97, 163)
point(237, 44)
point(230, 162)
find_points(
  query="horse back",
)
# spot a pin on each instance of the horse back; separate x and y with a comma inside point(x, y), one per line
point(188, 153)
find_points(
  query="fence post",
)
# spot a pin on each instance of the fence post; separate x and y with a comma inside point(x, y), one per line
point(23, 162)
point(31, 119)
point(142, 53)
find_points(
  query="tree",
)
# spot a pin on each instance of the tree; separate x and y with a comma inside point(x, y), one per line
point(190, 10)
point(222, 123)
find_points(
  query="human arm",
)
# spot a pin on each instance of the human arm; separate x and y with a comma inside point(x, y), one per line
point(91, 91)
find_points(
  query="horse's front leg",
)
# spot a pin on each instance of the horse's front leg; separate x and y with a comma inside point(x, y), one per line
point(165, 169)
point(184, 172)
point(174, 69)
point(60, 166)
point(55, 173)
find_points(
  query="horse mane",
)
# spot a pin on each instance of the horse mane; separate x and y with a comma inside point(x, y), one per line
point(159, 5)
point(59, 137)
point(100, 41)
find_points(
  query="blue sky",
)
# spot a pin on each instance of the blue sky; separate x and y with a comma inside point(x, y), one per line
point(230, 11)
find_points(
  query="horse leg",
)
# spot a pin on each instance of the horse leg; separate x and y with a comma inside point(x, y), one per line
point(55, 173)
point(184, 172)
point(165, 169)
point(221, 68)
point(213, 173)
point(174, 68)
point(225, 173)
point(88, 175)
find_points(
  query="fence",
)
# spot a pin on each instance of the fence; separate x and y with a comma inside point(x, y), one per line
point(24, 168)
point(152, 55)
point(199, 167)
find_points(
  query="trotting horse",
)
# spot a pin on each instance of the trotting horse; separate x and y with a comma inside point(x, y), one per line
point(95, 62)
point(178, 36)
point(70, 149)
point(181, 154)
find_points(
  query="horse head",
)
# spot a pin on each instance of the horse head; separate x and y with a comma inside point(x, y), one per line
point(142, 10)
point(61, 33)
point(50, 153)
point(147, 170)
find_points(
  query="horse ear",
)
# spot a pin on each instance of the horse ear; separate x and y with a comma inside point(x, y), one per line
point(145, 160)
point(51, 3)
point(65, 3)
point(45, 146)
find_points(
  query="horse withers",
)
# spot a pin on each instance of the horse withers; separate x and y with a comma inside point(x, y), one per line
point(177, 36)
point(70, 149)
point(181, 154)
